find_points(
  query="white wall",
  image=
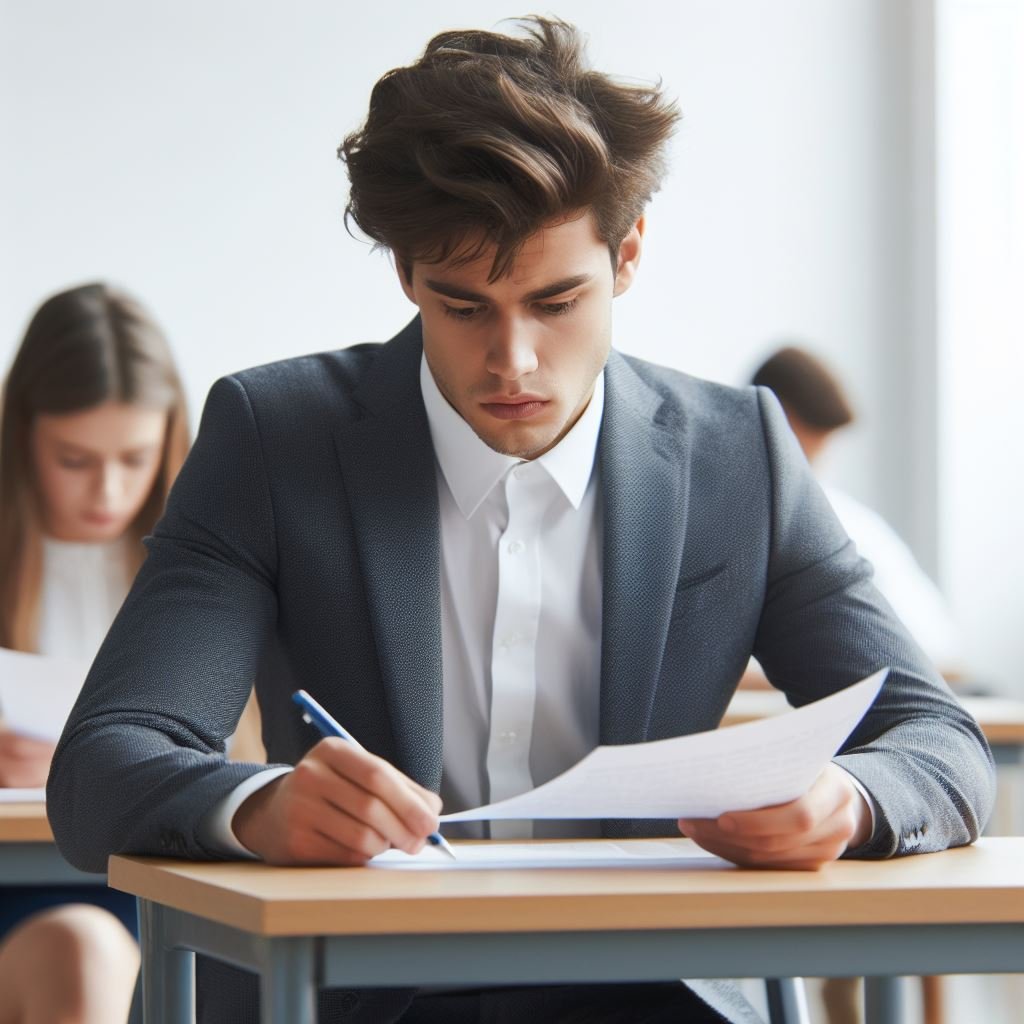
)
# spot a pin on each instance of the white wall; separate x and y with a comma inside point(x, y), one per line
point(187, 151)
point(981, 316)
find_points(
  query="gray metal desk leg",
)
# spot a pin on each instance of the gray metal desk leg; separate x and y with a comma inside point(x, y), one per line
point(288, 983)
point(167, 996)
point(787, 1001)
point(883, 1000)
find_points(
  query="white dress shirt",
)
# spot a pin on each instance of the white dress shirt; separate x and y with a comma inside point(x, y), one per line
point(520, 611)
point(520, 620)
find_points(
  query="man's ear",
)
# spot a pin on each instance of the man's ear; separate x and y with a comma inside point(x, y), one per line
point(629, 257)
point(404, 270)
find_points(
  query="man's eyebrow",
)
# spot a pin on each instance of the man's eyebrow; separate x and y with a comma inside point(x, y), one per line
point(565, 285)
point(453, 291)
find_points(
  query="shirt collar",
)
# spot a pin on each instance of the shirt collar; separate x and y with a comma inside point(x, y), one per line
point(471, 468)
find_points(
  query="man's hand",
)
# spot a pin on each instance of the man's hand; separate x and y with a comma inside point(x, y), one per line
point(24, 761)
point(341, 805)
point(805, 833)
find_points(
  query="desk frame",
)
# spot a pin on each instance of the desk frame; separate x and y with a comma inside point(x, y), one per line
point(292, 968)
point(39, 863)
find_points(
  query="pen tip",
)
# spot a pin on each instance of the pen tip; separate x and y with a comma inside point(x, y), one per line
point(442, 844)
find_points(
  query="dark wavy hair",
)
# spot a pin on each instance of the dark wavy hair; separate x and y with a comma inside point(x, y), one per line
point(806, 387)
point(487, 138)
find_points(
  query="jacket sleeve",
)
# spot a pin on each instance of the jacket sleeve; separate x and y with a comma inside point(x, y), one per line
point(919, 754)
point(141, 758)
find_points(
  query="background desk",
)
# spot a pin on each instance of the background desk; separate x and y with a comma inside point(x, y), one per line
point(1001, 719)
point(956, 912)
point(28, 855)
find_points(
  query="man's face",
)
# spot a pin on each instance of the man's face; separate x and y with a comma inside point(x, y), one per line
point(517, 358)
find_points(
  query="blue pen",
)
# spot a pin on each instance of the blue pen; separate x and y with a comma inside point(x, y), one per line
point(313, 713)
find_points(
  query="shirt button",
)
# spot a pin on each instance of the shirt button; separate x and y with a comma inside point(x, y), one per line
point(516, 547)
point(508, 737)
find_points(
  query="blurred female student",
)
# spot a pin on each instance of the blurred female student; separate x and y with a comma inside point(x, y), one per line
point(93, 431)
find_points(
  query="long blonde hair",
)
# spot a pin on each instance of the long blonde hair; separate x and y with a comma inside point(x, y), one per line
point(82, 348)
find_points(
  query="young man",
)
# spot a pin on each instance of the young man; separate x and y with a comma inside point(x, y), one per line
point(491, 544)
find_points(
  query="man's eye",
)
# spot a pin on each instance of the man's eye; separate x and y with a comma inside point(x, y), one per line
point(559, 308)
point(66, 462)
point(462, 312)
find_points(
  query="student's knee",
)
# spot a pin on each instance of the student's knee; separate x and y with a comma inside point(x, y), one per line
point(70, 950)
point(80, 932)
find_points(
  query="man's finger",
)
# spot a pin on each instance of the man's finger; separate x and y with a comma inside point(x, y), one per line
point(364, 808)
point(801, 816)
point(433, 800)
point(826, 841)
point(809, 857)
point(370, 789)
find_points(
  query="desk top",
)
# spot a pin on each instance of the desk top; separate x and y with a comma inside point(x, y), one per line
point(1001, 718)
point(24, 823)
point(983, 883)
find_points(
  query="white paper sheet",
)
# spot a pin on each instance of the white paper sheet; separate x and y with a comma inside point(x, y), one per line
point(37, 693)
point(599, 853)
point(22, 796)
point(756, 764)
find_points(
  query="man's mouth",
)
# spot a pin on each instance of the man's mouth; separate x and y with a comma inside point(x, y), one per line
point(518, 408)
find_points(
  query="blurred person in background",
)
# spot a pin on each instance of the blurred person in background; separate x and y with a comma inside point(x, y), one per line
point(817, 408)
point(93, 432)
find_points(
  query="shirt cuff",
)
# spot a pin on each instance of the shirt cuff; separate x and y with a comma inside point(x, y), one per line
point(216, 830)
point(868, 799)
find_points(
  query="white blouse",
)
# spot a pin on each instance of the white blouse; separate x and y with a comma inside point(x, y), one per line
point(83, 587)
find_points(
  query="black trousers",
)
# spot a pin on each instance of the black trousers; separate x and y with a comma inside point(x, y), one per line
point(227, 995)
point(18, 902)
point(668, 1003)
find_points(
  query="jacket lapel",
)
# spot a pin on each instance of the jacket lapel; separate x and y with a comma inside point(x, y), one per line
point(388, 465)
point(644, 464)
point(390, 478)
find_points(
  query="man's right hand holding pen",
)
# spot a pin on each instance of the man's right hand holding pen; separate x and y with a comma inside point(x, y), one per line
point(340, 805)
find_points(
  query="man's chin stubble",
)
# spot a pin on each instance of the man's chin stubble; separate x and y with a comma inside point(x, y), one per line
point(516, 451)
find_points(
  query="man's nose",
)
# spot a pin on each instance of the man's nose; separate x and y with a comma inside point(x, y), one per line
point(512, 350)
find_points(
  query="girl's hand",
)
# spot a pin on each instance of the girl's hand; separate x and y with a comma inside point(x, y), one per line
point(24, 761)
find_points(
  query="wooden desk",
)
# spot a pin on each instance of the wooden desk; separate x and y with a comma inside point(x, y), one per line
point(28, 855)
point(956, 912)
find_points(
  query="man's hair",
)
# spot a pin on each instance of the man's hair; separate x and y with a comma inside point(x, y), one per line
point(806, 388)
point(488, 138)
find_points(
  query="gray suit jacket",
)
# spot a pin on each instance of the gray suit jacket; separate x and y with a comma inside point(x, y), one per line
point(300, 549)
